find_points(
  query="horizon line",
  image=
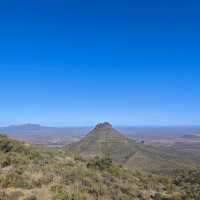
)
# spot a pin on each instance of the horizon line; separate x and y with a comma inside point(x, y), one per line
point(88, 126)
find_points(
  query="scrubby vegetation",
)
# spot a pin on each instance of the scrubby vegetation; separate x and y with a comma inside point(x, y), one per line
point(28, 172)
point(189, 182)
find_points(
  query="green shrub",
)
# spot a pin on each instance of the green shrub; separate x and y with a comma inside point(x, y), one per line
point(5, 161)
point(100, 163)
point(15, 180)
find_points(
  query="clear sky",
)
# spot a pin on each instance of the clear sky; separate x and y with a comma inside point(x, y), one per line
point(68, 63)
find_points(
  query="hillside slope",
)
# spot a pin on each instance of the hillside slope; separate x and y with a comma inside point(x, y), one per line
point(34, 173)
point(104, 140)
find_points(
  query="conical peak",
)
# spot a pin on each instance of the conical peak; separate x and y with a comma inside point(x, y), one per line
point(105, 125)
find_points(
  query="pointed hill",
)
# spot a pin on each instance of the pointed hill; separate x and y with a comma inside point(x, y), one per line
point(104, 140)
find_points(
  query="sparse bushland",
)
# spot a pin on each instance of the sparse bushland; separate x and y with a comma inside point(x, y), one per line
point(189, 182)
point(28, 172)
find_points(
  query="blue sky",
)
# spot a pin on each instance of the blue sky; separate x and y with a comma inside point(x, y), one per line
point(74, 63)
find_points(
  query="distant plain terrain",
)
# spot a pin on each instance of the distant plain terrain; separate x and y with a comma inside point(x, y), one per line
point(183, 138)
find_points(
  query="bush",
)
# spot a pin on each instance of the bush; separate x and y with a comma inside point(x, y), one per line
point(15, 180)
point(100, 163)
point(5, 161)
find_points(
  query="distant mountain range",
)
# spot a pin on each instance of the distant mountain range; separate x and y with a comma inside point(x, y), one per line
point(127, 130)
point(38, 134)
point(191, 136)
point(36, 128)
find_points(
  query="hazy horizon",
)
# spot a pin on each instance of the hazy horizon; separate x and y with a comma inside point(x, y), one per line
point(93, 125)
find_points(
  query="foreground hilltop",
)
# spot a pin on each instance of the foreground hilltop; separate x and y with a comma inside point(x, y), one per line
point(104, 140)
point(28, 172)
